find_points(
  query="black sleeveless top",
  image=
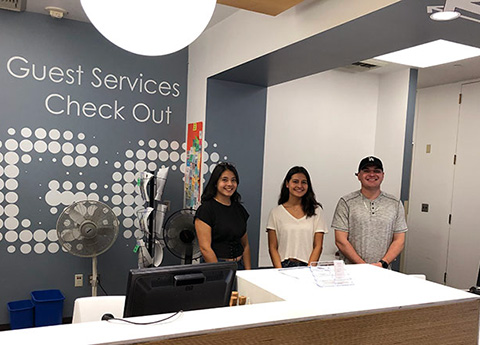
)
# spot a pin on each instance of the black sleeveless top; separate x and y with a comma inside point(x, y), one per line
point(228, 223)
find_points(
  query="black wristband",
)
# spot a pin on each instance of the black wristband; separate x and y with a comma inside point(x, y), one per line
point(384, 263)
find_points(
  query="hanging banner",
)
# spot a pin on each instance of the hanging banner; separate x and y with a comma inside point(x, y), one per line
point(193, 167)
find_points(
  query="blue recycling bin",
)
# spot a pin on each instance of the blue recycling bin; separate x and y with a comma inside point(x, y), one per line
point(21, 314)
point(48, 307)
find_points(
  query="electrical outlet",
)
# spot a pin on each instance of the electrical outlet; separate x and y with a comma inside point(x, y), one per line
point(78, 280)
point(90, 278)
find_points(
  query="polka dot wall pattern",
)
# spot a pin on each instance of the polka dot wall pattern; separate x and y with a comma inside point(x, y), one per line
point(67, 150)
point(211, 157)
point(16, 153)
point(142, 155)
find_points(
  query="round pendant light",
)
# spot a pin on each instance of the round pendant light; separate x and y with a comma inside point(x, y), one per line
point(150, 27)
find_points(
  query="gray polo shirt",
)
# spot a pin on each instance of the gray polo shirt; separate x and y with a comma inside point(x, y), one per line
point(370, 223)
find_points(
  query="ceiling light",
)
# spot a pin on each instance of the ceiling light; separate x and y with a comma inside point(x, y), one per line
point(444, 15)
point(431, 54)
point(150, 27)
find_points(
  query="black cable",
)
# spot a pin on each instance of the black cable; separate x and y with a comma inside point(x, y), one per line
point(109, 317)
point(101, 287)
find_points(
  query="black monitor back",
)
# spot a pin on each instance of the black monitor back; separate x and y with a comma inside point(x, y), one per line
point(183, 287)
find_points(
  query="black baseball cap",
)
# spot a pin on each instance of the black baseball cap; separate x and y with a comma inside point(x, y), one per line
point(369, 162)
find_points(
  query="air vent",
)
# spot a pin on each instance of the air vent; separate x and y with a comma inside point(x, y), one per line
point(13, 5)
point(362, 66)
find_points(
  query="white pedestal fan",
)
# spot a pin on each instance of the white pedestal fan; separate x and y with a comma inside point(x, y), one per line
point(87, 228)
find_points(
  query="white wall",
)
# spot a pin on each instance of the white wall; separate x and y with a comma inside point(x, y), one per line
point(246, 35)
point(326, 123)
point(390, 133)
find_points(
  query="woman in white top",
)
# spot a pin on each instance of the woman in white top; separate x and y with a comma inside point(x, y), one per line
point(296, 226)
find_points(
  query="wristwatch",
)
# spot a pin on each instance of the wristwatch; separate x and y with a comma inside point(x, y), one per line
point(384, 263)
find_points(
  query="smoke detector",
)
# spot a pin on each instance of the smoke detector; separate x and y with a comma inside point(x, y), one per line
point(56, 12)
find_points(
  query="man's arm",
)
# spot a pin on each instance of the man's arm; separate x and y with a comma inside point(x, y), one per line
point(395, 248)
point(341, 221)
point(341, 240)
point(398, 241)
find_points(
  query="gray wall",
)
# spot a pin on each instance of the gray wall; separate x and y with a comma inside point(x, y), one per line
point(235, 126)
point(39, 173)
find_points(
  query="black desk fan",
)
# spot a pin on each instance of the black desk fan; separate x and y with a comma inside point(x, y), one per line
point(180, 236)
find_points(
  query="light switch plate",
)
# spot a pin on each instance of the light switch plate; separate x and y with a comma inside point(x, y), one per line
point(78, 280)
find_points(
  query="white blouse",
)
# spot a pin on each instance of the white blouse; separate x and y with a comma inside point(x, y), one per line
point(295, 236)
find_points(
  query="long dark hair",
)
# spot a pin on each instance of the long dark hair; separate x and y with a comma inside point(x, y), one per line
point(309, 202)
point(210, 189)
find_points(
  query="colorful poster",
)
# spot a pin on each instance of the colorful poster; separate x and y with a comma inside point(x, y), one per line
point(193, 167)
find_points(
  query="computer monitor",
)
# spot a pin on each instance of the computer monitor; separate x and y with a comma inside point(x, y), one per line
point(183, 287)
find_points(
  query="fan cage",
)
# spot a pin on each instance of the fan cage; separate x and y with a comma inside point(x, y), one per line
point(181, 219)
point(87, 228)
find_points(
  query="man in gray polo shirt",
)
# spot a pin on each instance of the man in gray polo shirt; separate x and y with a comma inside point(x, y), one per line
point(369, 224)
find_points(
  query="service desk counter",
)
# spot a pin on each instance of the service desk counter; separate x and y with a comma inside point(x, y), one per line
point(381, 307)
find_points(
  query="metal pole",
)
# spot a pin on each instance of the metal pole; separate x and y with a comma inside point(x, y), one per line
point(94, 276)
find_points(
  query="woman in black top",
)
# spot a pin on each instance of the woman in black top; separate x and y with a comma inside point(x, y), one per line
point(221, 221)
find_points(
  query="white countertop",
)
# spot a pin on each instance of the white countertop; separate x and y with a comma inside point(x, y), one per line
point(374, 289)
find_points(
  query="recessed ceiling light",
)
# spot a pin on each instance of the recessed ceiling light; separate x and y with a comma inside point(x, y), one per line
point(431, 54)
point(444, 15)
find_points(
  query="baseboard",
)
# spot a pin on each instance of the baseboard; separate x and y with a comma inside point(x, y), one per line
point(6, 327)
